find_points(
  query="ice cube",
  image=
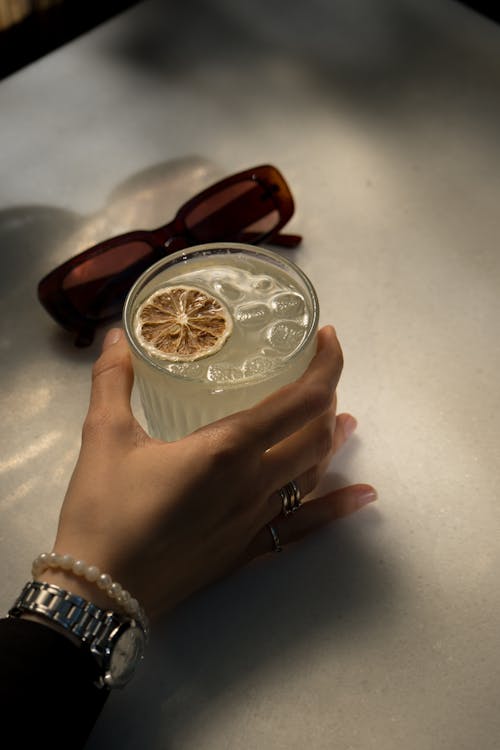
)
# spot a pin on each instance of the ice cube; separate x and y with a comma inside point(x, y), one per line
point(288, 304)
point(263, 284)
point(253, 314)
point(228, 291)
point(285, 335)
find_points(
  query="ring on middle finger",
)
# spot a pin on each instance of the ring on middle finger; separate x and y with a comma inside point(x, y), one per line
point(290, 498)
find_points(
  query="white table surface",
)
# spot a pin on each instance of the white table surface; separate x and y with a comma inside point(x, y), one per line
point(383, 631)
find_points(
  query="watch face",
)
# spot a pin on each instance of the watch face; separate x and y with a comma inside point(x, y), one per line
point(127, 652)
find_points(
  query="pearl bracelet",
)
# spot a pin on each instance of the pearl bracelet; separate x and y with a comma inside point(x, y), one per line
point(92, 574)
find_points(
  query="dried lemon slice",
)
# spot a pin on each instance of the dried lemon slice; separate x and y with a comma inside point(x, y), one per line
point(182, 324)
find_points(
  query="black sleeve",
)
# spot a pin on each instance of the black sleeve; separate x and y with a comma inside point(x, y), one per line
point(47, 688)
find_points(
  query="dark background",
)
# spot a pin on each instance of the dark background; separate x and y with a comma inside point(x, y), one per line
point(47, 28)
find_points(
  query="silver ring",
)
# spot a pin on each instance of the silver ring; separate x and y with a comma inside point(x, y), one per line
point(290, 498)
point(276, 539)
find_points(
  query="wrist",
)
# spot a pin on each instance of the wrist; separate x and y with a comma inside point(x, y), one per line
point(80, 586)
point(114, 641)
point(87, 576)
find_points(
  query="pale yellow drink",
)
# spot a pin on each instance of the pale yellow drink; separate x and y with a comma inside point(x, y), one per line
point(274, 315)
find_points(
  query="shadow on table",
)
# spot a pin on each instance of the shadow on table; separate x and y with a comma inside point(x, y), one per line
point(375, 59)
point(257, 630)
point(369, 53)
point(35, 239)
point(299, 608)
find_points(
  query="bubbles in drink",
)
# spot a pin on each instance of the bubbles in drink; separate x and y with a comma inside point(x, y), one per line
point(258, 366)
point(194, 370)
point(224, 373)
point(253, 314)
point(285, 336)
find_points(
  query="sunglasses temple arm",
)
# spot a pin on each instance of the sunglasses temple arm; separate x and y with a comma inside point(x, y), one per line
point(284, 240)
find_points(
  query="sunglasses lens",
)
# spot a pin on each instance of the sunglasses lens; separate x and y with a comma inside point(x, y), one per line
point(97, 286)
point(247, 207)
point(240, 211)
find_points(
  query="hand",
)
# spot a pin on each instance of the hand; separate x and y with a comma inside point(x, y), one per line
point(165, 519)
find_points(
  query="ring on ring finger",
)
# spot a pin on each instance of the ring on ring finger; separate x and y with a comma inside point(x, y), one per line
point(275, 536)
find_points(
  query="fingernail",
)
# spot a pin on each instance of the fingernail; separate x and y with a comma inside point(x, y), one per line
point(112, 337)
point(350, 425)
point(366, 497)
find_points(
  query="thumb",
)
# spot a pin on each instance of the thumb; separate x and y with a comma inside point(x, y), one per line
point(112, 375)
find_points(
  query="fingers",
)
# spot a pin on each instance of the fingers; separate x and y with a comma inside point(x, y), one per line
point(112, 376)
point(305, 448)
point(294, 405)
point(313, 445)
point(344, 427)
point(305, 456)
point(311, 517)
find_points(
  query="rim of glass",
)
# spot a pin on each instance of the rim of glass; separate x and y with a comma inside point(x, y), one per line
point(210, 249)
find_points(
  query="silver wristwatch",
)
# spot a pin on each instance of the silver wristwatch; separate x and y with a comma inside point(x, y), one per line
point(116, 642)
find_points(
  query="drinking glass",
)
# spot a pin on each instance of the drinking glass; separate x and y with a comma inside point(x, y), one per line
point(274, 311)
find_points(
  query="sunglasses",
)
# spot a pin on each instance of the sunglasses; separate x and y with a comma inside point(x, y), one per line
point(90, 288)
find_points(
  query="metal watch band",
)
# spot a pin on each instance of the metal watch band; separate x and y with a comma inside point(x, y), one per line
point(90, 624)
